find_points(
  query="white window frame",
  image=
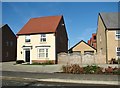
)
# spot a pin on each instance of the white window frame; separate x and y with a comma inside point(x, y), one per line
point(42, 37)
point(117, 51)
point(27, 37)
point(45, 52)
point(117, 34)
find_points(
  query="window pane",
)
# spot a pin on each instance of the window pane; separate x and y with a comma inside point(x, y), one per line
point(118, 53)
point(43, 35)
point(43, 38)
point(118, 36)
point(27, 38)
point(41, 50)
point(118, 32)
point(118, 49)
point(42, 55)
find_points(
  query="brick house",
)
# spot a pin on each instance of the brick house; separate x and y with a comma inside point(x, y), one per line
point(92, 40)
point(8, 44)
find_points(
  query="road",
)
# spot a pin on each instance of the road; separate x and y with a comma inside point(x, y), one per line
point(29, 83)
point(61, 76)
point(17, 79)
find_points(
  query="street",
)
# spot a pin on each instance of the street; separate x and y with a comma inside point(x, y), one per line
point(97, 77)
point(26, 79)
point(29, 83)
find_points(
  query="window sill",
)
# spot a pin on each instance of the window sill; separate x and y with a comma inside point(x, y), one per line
point(44, 58)
point(27, 42)
point(43, 42)
point(117, 38)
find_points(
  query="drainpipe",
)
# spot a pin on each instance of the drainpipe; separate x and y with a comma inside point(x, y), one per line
point(106, 46)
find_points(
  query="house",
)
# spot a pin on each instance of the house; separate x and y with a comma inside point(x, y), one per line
point(92, 40)
point(82, 48)
point(108, 36)
point(8, 44)
point(41, 39)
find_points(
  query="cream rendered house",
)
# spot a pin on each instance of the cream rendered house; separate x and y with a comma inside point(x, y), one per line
point(41, 39)
point(82, 48)
point(108, 36)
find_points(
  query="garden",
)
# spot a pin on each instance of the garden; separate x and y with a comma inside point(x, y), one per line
point(90, 69)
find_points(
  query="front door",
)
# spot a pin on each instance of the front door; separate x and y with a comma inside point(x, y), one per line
point(27, 55)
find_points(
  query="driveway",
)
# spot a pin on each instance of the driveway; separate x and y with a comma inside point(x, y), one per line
point(10, 66)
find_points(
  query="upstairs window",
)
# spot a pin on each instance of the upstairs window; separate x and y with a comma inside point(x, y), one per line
point(27, 38)
point(118, 51)
point(43, 38)
point(118, 34)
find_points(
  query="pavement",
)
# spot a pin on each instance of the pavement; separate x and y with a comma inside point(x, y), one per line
point(47, 73)
point(12, 66)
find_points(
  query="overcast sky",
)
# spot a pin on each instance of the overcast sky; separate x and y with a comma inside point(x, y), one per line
point(80, 17)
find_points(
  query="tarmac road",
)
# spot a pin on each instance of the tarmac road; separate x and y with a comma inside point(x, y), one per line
point(96, 77)
point(6, 82)
point(10, 78)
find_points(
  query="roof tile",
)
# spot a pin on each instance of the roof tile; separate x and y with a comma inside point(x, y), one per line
point(41, 25)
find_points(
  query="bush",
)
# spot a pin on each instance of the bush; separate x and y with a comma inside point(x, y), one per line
point(92, 69)
point(111, 70)
point(75, 69)
point(19, 61)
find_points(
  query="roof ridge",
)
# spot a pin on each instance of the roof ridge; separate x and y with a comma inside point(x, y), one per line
point(47, 16)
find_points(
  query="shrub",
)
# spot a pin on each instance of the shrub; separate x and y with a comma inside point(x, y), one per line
point(44, 63)
point(75, 69)
point(92, 69)
point(19, 61)
point(112, 70)
point(109, 70)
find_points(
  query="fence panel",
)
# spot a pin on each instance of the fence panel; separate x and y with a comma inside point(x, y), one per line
point(64, 58)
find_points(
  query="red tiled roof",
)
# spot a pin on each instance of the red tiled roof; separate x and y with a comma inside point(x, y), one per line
point(41, 25)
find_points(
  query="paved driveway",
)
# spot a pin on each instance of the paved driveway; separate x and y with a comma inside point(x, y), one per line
point(9, 66)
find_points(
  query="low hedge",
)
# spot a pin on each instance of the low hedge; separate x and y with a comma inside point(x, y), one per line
point(90, 69)
point(44, 63)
